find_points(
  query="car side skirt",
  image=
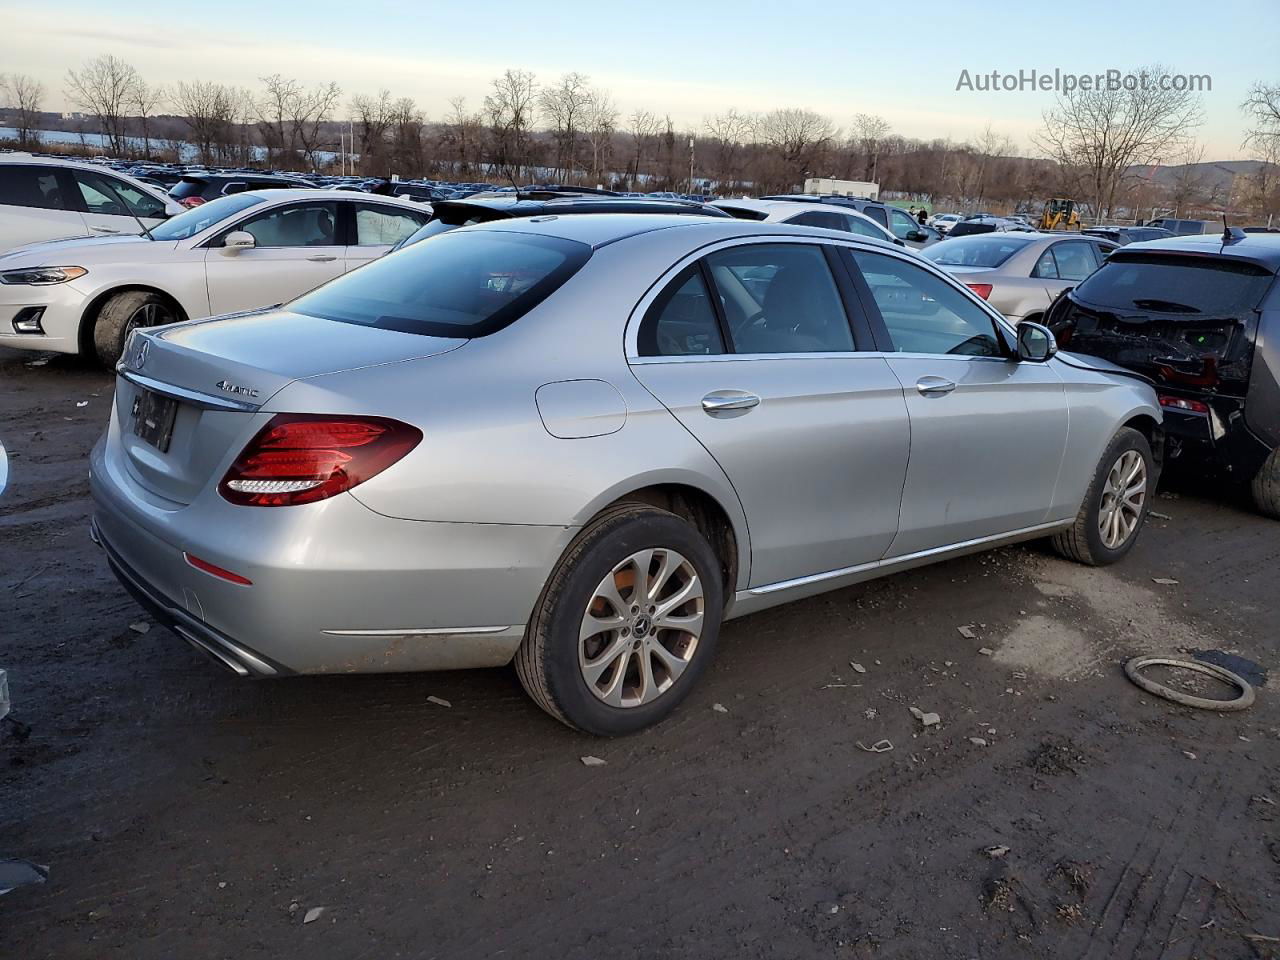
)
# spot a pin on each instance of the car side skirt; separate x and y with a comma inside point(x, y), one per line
point(784, 591)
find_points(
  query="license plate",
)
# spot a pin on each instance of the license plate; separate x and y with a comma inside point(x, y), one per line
point(153, 416)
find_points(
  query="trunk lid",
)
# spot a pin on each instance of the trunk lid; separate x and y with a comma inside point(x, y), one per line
point(1185, 322)
point(212, 377)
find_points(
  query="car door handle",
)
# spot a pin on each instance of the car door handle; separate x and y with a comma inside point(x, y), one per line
point(723, 400)
point(99, 229)
point(322, 258)
point(934, 386)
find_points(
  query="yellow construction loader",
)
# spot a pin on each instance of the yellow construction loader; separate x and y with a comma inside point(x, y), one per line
point(1060, 214)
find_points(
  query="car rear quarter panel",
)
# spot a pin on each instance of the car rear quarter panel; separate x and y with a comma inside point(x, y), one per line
point(1262, 403)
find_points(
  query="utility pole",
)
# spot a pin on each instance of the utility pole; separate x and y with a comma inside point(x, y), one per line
point(691, 190)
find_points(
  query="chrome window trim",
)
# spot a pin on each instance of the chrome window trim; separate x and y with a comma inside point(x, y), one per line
point(631, 335)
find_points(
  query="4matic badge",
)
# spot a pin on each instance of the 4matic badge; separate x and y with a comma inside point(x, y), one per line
point(229, 387)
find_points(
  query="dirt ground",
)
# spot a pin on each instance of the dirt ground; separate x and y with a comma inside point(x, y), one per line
point(185, 813)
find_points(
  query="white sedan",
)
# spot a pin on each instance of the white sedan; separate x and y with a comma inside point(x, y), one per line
point(240, 252)
point(827, 215)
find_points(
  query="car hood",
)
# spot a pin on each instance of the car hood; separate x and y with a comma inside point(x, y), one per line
point(92, 249)
point(1083, 361)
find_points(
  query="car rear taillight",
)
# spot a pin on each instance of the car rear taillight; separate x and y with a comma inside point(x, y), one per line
point(981, 289)
point(1188, 406)
point(300, 458)
point(191, 201)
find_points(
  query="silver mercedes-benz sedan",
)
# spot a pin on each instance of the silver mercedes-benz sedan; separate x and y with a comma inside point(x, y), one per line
point(581, 443)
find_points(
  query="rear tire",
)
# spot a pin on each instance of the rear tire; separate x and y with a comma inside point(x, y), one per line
point(1266, 486)
point(123, 313)
point(1091, 540)
point(612, 667)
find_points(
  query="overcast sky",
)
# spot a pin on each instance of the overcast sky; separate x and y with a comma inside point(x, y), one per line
point(899, 60)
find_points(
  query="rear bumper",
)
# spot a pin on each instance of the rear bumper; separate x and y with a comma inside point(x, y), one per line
point(336, 588)
point(1226, 441)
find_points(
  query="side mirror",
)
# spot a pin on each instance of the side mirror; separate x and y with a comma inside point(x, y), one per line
point(172, 208)
point(1036, 343)
point(917, 236)
point(238, 240)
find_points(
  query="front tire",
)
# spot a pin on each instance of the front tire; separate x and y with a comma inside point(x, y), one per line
point(121, 315)
point(1266, 486)
point(627, 623)
point(1116, 505)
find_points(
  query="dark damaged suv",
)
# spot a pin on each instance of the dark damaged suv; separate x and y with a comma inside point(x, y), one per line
point(1199, 316)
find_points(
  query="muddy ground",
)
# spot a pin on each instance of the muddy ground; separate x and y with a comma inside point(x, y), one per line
point(185, 813)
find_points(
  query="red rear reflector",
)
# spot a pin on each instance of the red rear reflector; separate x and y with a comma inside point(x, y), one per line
point(216, 571)
point(981, 289)
point(300, 458)
point(191, 201)
point(1177, 403)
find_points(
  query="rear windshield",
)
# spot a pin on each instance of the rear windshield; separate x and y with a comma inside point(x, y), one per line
point(1181, 285)
point(188, 187)
point(977, 251)
point(188, 224)
point(460, 284)
point(742, 213)
point(446, 217)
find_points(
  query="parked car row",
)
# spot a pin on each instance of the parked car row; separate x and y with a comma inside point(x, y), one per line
point(576, 431)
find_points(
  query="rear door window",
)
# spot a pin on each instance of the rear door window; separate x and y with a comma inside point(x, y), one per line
point(861, 227)
point(819, 218)
point(1076, 259)
point(877, 214)
point(682, 320)
point(381, 225)
point(32, 186)
point(780, 298)
point(923, 313)
point(100, 194)
point(457, 284)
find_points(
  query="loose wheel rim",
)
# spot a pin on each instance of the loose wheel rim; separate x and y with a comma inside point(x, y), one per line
point(1124, 495)
point(641, 628)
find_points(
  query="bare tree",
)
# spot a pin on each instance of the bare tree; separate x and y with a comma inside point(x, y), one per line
point(799, 139)
point(463, 130)
point(1263, 107)
point(728, 131)
point(511, 111)
point(869, 132)
point(601, 125)
point(24, 94)
point(145, 100)
point(566, 105)
point(105, 87)
point(641, 127)
point(1188, 188)
point(372, 118)
point(1108, 130)
point(291, 118)
point(209, 111)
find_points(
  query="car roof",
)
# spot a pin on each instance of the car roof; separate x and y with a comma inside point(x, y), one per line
point(598, 230)
point(524, 206)
point(283, 194)
point(1260, 248)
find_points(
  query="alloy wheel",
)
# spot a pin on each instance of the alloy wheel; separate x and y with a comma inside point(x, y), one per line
point(148, 315)
point(1123, 496)
point(641, 628)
